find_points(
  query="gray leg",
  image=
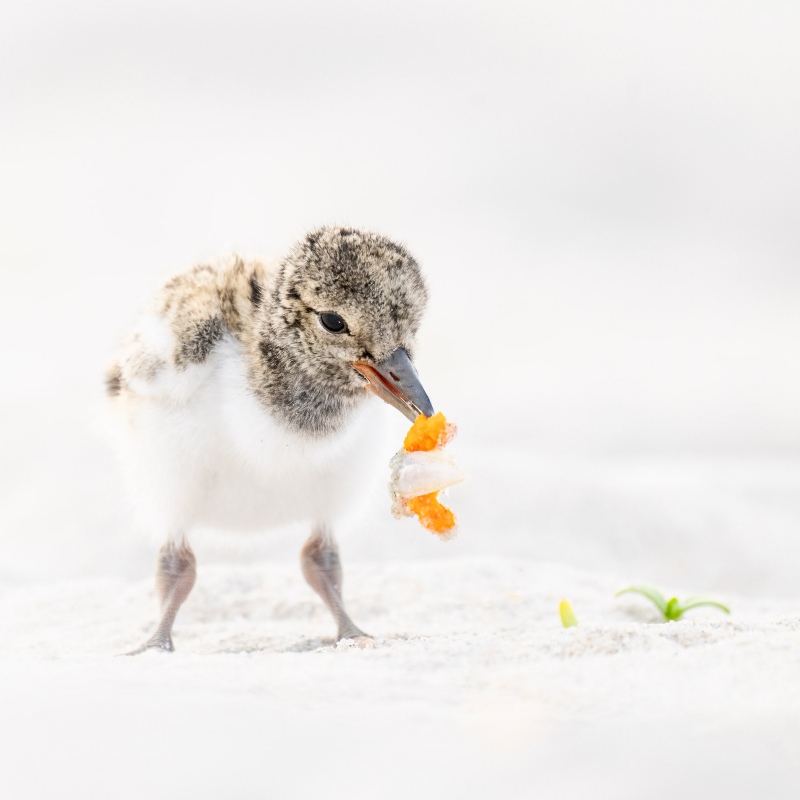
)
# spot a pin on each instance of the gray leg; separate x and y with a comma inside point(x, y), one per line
point(175, 575)
point(323, 571)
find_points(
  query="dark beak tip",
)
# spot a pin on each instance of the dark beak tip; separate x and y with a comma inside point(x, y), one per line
point(399, 385)
point(426, 409)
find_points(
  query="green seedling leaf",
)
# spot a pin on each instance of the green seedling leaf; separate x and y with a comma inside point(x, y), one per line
point(653, 595)
point(672, 609)
point(568, 618)
point(694, 602)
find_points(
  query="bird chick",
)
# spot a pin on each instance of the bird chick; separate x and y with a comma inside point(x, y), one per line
point(240, 400)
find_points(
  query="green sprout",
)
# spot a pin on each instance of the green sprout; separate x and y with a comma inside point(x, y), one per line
point(672, 609)
point(568, 618)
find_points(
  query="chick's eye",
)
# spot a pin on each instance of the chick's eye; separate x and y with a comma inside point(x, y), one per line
point(333, 323)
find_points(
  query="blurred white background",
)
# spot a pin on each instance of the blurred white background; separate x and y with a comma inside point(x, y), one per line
point(605, 197)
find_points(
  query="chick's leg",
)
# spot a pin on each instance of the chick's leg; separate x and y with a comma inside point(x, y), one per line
point(175, 575)
point(323, 571)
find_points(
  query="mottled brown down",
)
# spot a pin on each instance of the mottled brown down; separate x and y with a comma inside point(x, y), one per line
point(301, 372)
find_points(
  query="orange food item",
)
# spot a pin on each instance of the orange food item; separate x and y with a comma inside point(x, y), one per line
point(432, 514)
point(428, 433)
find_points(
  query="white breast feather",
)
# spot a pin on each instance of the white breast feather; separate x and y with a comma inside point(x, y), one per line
point(199, 450)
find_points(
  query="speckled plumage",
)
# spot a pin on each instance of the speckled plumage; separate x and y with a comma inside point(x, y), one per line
point(236, 409)
point(298, 371)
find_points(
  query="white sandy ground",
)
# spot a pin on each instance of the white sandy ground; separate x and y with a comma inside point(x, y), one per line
point(473, 690)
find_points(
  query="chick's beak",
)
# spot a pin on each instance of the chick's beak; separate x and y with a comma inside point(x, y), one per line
point(395, 381)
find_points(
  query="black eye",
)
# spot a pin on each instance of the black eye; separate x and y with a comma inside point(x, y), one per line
point(333, 323)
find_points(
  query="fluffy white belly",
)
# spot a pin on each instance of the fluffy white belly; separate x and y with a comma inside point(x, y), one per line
point(277, 478)
point(220, 461)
